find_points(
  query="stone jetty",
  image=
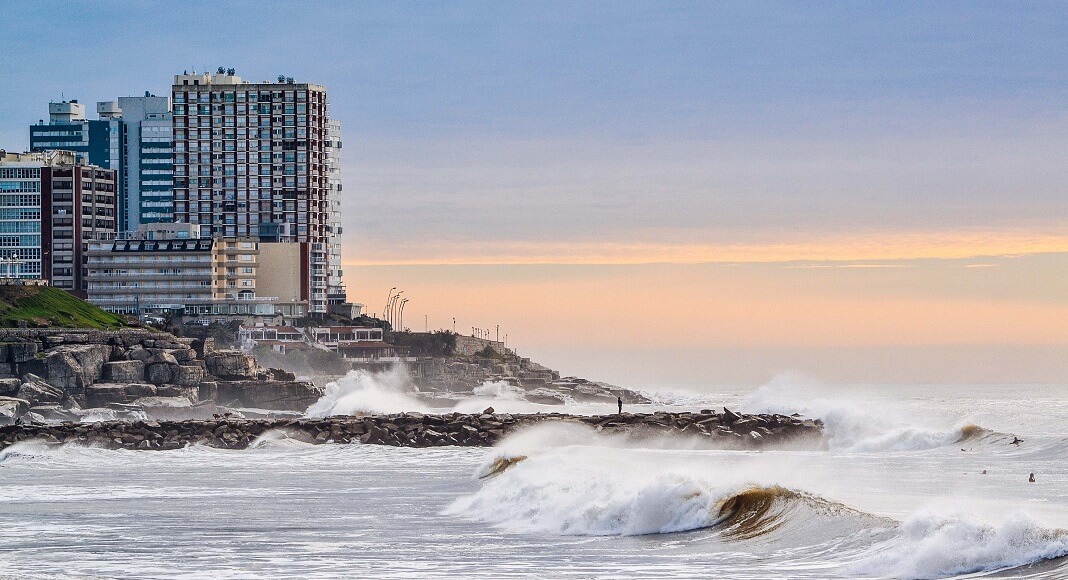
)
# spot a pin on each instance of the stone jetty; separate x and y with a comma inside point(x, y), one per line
point(725, 429)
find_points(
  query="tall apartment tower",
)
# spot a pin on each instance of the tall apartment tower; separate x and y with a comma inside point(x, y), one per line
point(148, 165)
point(251, 161)
point(133, 137)
point(336, 293)
point(54, 205)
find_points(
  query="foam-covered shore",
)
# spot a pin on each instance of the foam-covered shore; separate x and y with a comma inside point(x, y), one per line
point(721, 429)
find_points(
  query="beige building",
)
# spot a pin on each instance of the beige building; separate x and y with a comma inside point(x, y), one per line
point(171, 269)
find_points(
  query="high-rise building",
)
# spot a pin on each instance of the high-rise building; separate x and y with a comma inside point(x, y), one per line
point(336, 293)
point(52, 204)
point(251, 160)
point(148, 160)
point(133, 137)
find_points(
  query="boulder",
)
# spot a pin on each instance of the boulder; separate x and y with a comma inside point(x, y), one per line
point(72, 367)
point(282, 395)
point(190, 393)
point(9, 387)
point(183, 355)
point(53, 413)
point(231, 364)
point(103, 394)
point(161, 357)
point(40, 392)
point(127, 371)
point(169, 408)
point(188, 375)
point(729, 417)
point(12, 408)
point(138, 353)
point(160, 373)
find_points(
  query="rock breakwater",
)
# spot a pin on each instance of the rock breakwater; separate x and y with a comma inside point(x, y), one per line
point(722, 429)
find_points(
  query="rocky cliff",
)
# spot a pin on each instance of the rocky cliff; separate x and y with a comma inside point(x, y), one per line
point(60, 374)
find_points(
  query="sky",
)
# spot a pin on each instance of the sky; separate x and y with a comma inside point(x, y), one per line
point(658, 192)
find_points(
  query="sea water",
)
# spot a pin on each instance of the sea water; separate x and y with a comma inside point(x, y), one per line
point(916, 481)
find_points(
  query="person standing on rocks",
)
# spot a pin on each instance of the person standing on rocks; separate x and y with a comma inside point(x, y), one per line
point(619, 400)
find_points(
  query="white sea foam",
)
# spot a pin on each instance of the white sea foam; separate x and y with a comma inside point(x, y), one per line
point(364, 392)
point(551, 495)
point(931, 545)
point(852, 423)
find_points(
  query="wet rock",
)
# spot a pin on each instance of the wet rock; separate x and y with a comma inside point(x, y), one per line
point(729, 417)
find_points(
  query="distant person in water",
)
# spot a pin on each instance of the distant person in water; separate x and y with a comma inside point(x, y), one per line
point(1016, 440)
point(619, 400)
point(1032, 478)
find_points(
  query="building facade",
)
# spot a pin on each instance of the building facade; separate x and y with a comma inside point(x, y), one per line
point(147, 161)
point(52, 205)
point(171, 269)
point(251, 160)
point(133, 137)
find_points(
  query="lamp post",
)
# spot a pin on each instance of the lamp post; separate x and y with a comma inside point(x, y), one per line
point(396, 309)
point(393, 308)
point(388, 298)
point(498, 333)
point(400, 313)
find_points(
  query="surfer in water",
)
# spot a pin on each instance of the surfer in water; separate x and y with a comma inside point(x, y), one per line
point(619, 401)
point(1016, 440)
point(1032, 478)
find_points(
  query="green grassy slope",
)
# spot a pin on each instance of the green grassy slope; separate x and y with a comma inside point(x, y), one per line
point(44, 306)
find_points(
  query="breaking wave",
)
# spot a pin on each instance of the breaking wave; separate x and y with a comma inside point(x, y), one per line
point(531, 486)
point(363, 392)
point(928, 545)
point(857, 425)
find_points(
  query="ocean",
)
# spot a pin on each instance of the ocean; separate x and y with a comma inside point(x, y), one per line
point(917, 481)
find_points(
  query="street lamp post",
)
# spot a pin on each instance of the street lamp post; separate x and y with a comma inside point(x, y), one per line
point(390, 297)
point(393, 308)
point(400, 313)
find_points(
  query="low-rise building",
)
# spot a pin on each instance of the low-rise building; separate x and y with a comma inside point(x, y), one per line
point(355, 342)
point(170, 269)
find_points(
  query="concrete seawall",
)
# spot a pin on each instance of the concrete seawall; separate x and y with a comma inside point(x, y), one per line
point(723, 429)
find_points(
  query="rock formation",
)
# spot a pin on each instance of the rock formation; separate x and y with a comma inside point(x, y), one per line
point(60, 374)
